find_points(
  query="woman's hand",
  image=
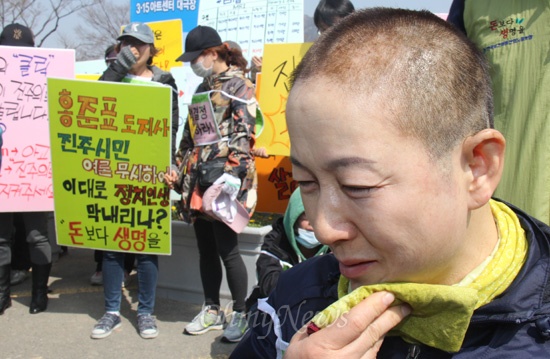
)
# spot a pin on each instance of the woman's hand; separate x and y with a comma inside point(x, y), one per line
point(257, 61)
point(356, 334)
point(260, 152)
point(171, 178)
point(127, 57)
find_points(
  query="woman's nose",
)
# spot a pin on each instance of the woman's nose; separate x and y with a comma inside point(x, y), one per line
point(330, 221)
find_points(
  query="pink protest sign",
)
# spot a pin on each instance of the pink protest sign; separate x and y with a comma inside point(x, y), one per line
point(26, 174)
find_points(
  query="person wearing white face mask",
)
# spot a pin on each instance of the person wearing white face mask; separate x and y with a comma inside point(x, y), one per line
point(306, 238)
point(218, 140)
point(290, 241)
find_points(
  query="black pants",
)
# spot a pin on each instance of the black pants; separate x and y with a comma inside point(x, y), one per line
point(216, 240)
point(36, 229)
point(20, 254)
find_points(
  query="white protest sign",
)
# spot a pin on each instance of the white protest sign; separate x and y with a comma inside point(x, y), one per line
point(251, 23)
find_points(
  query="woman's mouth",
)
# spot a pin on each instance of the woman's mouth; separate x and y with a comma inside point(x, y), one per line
point(354, 269)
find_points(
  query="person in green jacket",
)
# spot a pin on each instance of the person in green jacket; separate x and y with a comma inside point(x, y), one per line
point(515, 38)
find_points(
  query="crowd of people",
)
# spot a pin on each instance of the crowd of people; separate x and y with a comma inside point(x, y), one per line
point(401, 240)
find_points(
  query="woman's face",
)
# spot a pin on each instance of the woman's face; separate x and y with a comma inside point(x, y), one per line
point(206, 58)
point(303, 222)
point(372, 194)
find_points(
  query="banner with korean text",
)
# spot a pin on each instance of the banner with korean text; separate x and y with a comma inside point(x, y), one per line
point(26, 177)
point(278, 63)
point(110, 150)
point(250, 23)
point(253, 23)
point(154, 10)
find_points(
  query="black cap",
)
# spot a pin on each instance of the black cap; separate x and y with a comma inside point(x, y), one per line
point(17, 35)
point(198, 40)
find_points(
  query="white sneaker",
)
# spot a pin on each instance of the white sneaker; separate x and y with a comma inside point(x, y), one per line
point(106, 325)
point(97, 278)
point(206, 320)
point(147, 326)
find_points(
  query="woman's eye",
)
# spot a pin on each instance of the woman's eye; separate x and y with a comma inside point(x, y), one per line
point(358, 189)
point(306, 184)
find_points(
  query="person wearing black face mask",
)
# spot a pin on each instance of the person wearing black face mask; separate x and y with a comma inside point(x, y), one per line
point(219, 142)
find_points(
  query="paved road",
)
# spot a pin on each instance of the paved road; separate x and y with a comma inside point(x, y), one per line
point(63, 331)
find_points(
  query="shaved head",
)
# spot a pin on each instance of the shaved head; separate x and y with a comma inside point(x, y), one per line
point(431, 79)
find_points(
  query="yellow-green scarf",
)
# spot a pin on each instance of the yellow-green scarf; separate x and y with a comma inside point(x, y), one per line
point(441, 314)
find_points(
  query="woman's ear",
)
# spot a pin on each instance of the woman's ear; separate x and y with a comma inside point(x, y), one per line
point(483, 154)
point(213, 53)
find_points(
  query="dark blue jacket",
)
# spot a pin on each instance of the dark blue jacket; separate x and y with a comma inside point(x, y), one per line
point(513, 326)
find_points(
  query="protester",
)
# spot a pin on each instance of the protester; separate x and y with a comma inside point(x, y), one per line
point(220, 149)
point(133, 63)
point(290, 241)
point(330, 12)
point(393, 146)
point(35, 224)
point(515, 38)
point(18, 35)
point(129, 258)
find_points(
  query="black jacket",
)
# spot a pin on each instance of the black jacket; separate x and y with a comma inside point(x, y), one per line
point(276, 254)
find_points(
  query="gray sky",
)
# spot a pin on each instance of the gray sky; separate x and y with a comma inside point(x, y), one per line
point(436, 6)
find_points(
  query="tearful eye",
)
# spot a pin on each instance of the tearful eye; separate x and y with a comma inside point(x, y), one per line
point(358, 190)
point(306, 186)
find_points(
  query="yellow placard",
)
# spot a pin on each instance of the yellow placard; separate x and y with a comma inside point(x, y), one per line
point(279, 60)
point(91, 77)
point(169, 40)
point(110, 149)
